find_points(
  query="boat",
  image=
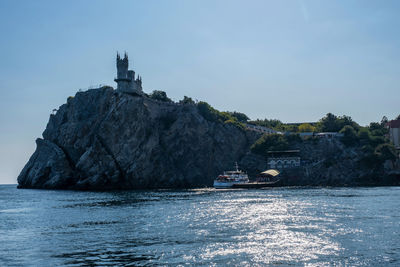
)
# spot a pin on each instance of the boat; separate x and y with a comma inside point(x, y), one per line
point(239, 179)
point(267, 178)
point(230, 179)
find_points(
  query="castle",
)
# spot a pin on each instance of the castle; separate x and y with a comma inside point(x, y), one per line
point(126, 78)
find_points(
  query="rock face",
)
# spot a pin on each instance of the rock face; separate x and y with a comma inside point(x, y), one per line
point(102, 140)
point(328, 162)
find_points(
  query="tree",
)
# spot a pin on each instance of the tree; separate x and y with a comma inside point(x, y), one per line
point(273, 142)
point(386, 152)
point(306, 127)
point(187, 100)
point(160, 96)
point(273, 123)
point(239, 116)
point(349, 135)
point(384, 120)
point(364, 135)
point(332, 123)
point(329, 123)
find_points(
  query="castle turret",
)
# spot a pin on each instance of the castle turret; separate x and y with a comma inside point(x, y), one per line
point(131, 75)
point(122, 67)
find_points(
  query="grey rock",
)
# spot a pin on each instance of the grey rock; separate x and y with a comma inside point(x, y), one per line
point(48, 167)
point(102, 139)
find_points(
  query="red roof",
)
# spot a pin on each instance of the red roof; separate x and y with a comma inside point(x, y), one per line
point(394, 124)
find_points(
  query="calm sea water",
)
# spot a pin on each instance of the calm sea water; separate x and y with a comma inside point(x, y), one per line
point(279, 226)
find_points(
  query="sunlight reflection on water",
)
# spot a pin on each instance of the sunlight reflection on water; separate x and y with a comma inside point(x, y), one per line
point(281, 226)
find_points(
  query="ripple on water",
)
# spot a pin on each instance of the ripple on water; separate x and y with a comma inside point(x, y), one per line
point(280, 226)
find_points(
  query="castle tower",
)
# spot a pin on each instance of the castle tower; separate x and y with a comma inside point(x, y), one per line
point(122, 67)
point(126, 78)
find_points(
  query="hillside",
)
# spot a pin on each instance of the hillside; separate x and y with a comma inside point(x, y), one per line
point(102, 139)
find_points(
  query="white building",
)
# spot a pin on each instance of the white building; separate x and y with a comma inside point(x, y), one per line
point(261, 129)
point(283, 159)
point(394, 132)
point(283, 162)
point(329, 134)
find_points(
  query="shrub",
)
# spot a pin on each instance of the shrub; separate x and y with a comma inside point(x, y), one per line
point(349, 135)
point(332, 123)
point(241, 117)
point(211, 114)
point(208, 112)
point(160, 96)
point(386, 152)
point(272, 142)
point(187, 100)
point(306, 127)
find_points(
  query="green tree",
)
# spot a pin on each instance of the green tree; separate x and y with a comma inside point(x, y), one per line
point(386, 152)
point(306, 127)
point(377, 129)
point(207, 111)
point(272, 142)
point(211, 114)
point(364, 136)
point(329, 123)
point(160, 96)
point(187, 100)
point(269, 123)
point(239, 116)
point(332, 123)
point(384, 120)
point(349, 135)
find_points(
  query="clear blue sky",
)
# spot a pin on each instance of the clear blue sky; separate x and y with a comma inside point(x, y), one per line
point(290, 60)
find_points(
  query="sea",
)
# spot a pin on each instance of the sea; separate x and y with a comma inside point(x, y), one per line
point(201, 227)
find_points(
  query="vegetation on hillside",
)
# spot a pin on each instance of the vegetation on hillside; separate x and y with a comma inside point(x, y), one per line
point(274, 142)
point(160, 96)
point(372, 138)
point(187, 100)
point(214, 115)
point(329, 123)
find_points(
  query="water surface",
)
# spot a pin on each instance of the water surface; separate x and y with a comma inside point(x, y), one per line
point(279, 226)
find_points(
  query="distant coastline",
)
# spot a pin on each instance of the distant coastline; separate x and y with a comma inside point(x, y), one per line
point(124, 138)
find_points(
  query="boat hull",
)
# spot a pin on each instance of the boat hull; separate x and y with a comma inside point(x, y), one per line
point(233, 184)
point(222, 185)
point(257, 185)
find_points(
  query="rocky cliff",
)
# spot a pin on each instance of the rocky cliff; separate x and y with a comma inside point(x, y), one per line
point(328, 162)
point(103, 140)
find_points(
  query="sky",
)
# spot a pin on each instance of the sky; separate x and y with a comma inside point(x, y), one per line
point(290, 60)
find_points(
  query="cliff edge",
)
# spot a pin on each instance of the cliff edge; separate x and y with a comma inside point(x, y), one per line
point(103, 139)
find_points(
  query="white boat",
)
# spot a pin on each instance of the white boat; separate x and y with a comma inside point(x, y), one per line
point(231, 178)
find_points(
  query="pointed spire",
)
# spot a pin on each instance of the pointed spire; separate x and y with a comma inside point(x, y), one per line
point(118, 57)
point(125, 55)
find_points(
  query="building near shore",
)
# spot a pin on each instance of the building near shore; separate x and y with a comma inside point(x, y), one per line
point(283, 159)
point(261, 129)
point(394, 132)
